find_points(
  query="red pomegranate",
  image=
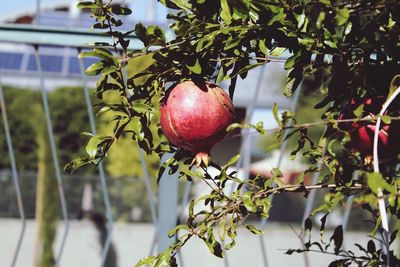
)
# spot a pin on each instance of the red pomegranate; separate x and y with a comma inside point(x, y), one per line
point(362, 132)
point(194, 116)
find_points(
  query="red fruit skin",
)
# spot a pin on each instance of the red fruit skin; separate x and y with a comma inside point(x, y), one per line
point(362, 132)
point(194, 115)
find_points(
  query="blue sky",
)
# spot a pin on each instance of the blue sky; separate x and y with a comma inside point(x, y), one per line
point(10, 9)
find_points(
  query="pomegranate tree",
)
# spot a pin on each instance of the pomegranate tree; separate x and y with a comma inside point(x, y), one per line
point(194, 116)
point(362, 132)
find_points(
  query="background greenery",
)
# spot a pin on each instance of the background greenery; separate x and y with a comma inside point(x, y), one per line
point(69, 117)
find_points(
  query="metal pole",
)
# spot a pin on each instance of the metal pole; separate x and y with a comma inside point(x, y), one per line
point(282, 149)
point(185, 201)
point(311, 197)
point(150, 192)
point(245, 145)
point(102, 176)
point(15, 176)
point(346, 214)
point(167, 207)
point(37, 18)
point(63, 202)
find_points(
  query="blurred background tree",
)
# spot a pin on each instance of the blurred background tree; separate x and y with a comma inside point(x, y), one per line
point(70, 119)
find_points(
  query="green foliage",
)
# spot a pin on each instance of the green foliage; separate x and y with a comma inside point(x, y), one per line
point(347, 50)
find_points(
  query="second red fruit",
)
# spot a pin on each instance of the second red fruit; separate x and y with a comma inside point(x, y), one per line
point(362, 132)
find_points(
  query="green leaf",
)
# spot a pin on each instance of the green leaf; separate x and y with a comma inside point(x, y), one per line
point(75, 164)
point(205, 42)
point(173, 232)
point(291, 61)
point(376, 182)
point(95, 68)
point(232, 161)
point(119, 10)
point(291, 84)
point(262, 46)
point(177, 4)
point(276, 115)
point(220, 76)
point(253, 229)
point(338, 238)
point(245, 69)
point(141, 107)
point(138, 64)
point(87, 4)
point(222, 230)
point(277, 51)
point(214, 246)
point(394, 84)
point(141, 33)
point(196, 68)
point(164, 259)
point(226, 12)
point(248, 202)
point(145, 261)
point(156, 35)
point(342, 16)
point(95, 143)
point(100, 53)
point(359, 111)
point(386, 119)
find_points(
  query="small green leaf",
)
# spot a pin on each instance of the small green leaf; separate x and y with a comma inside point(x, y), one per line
point(141, 107)
point(221, 75)
point(291, 61)
point(87, 4)
point(173, 232)
point(359, 111)
point(376, 182)
point(100, 53)
point(226, 12)
point(277, 51)
point(276, 115)
point(222, 229)
point(95, 68)
point(141, 33)
point(253, 229)
point(145, 261)
point(94, 143)
point(164, 259)
point(338, 238)
point(245, 69)
point(177, 4)
point(394, 84)
point(386, 119)
point(263, 48)
point(75, 164)
point(214, 246)
point(342, 16)
point(248, 202)
point(196, 68)
point(119, 10)
point(232, 161)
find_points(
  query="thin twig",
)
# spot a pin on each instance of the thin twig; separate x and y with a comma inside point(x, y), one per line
point(266, 59)
point(312, 124)
point(292, 188)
